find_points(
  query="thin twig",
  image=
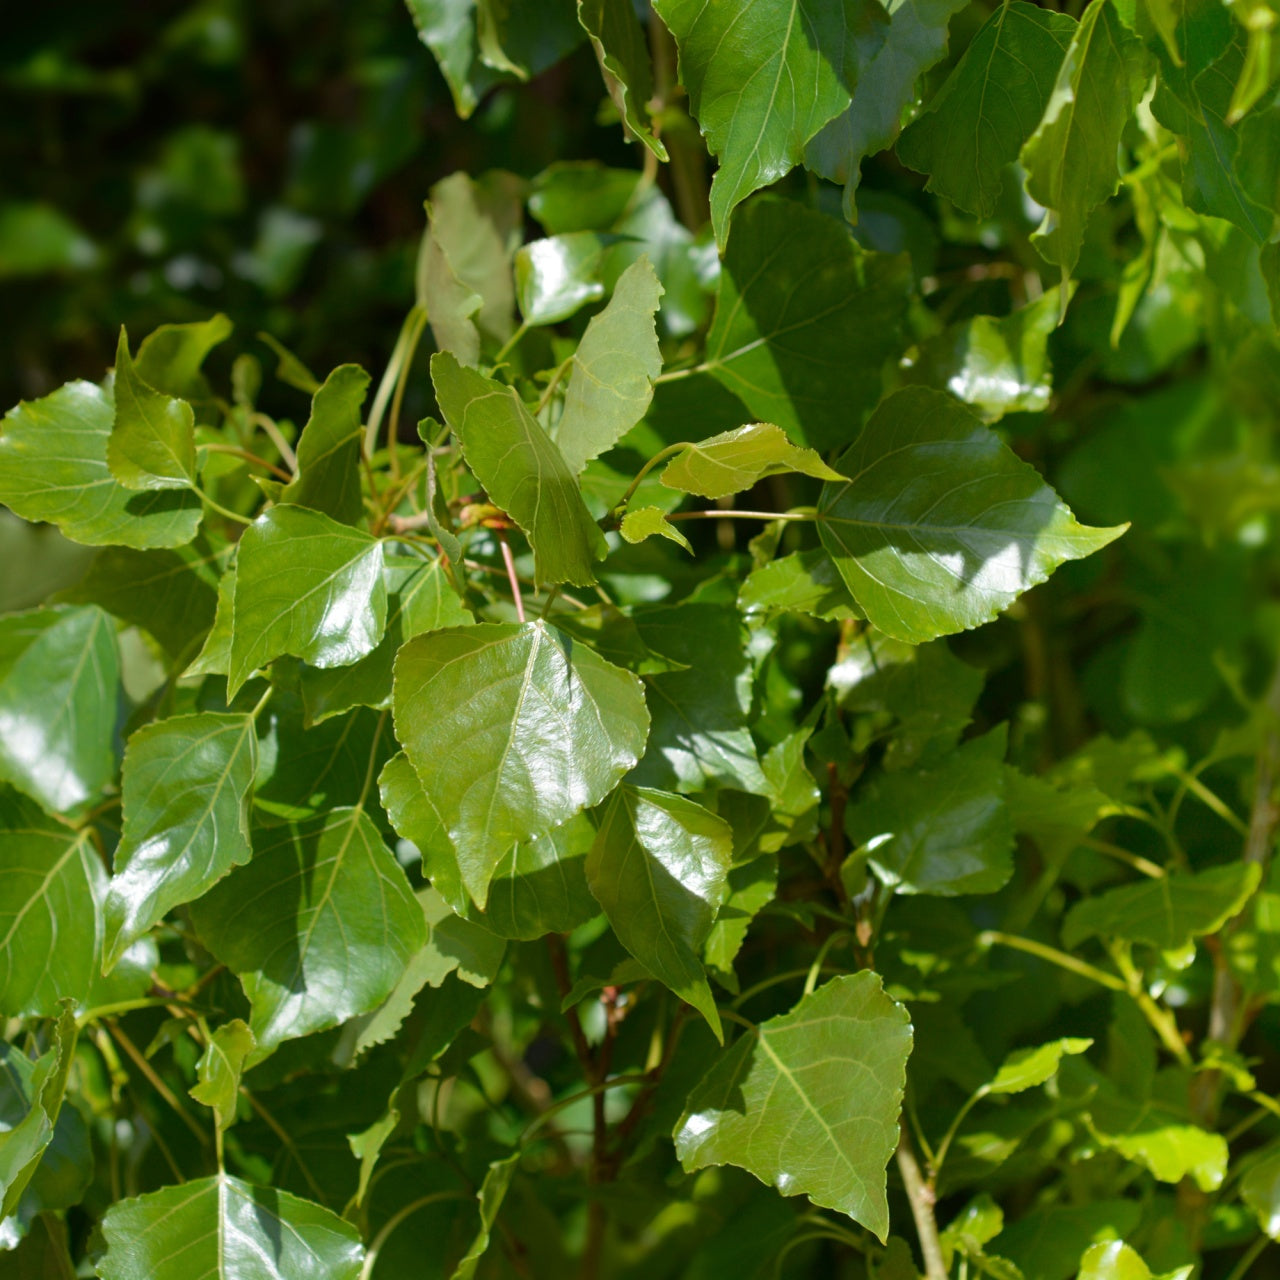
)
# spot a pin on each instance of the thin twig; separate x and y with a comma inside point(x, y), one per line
point(922, 1199)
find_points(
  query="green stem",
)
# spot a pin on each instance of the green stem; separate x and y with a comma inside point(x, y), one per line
point(223, 511)
point(371, 1258)
point(510, 344)
point(731, 514)
point(949, 1137)
point(1251, 1255)
point(674, 375)
point(661, 456)
point(617, 1082)
point(401, 353)
point(993, 937)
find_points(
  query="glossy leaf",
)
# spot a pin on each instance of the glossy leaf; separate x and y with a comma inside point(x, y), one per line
point(612, 372)
point(735, 460)
point(319, 926)
point(512, 729)
point(419, 599)
point(1260, 1190)
point(623, 54)
point(53, 466)
point(226, 1229)
point(764, 77)
point(328, 478)
point(1071, 157)
point(658, 868)
point(455, 945)
point(187, 786)
point(749, 888)
point(940, 526)
point(809, 1100)
point(998, 366)
point(307, 586)
point(943, 829)
point(219, 1069)
point(1166, 913)
point(915, 40)
point(522, 470)
point(558, 276)
point(50, 910)
point(59, 685)
point(802, 343)
point(997, 94)
point(649, 522)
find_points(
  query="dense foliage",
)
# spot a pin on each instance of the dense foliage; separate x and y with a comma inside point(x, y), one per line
point(604, 798)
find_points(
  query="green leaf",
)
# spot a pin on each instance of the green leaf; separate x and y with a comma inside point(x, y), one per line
point(915, 40)
point(328, 478)
point(512, 729)
point(803, 341)
point(59, 686)
point(764, 77)
point(187, 787)
point(646, 522)
point(226, 1229)
point(1115, 1260)
point(170, 357)
point(53, 466)
point(319, 926)
point(809, 1100)
point(941, 829)
point(171, 594)
point(480, 43)
point(1027, 1068)
point(419, 599)
point(1071, 157)
point(700, 735)
point(219, 1068)
point(989, 105)
point(51, 891)
point(927, 691)
point(735, 460)
point(940, 526)
point(558, 276)
point(478, 224)
point(522, 471)
point(450, 305)
point(31, 1095)
point(307, 586)
point(623, 54)
point(153, 442)
point(1260, 1190)
point(214, 657)
point(612, 372)
point(1046, 1243)
point(455, 945)
point(1166, 913)
point(493, 1191)
point(998, 366)
point(750, 887)
point(658, 868)
point(803, 582)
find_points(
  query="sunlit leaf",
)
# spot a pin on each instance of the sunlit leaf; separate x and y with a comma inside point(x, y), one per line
point(809, 1100)
point(735, 460)
point(328, 478)
point(153, 443)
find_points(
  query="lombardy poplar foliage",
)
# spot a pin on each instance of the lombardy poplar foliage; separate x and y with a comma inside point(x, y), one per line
point(564, 839)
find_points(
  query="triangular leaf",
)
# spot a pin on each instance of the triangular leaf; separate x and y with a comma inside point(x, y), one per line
point(153, 442)
point(940, 526)
point(187, 785)
point(809, 1100)
point(307, 586)
point(328, 478)
point(513, 729)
